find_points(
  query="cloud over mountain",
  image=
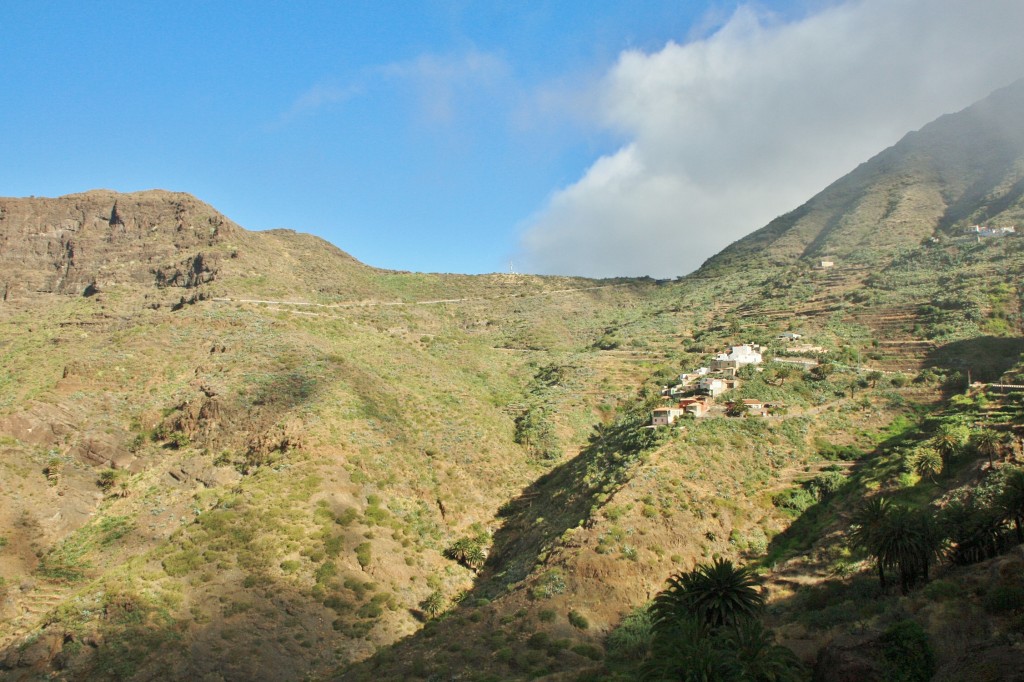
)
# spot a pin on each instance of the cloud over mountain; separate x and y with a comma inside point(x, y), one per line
point(723, 133)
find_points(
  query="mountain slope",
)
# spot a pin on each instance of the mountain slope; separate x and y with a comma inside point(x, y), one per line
point(236, 455)
point(202, 426)
point(961, 169)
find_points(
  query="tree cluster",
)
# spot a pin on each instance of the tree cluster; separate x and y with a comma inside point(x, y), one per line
point(970, 528)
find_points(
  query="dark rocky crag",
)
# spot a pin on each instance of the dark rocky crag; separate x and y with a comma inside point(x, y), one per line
point(83, 243)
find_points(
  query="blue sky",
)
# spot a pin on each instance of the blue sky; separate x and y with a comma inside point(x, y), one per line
point(449, 136)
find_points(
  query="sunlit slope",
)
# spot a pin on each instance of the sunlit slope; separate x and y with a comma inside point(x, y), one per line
point(228, 424)
point(959, 170)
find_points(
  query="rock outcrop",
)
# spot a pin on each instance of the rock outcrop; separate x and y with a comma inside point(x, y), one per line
point(83, 243)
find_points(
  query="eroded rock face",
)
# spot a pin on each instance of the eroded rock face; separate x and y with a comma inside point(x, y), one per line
point(81, 243)
point(188, 273)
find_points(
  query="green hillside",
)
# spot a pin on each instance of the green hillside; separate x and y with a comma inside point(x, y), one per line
point(960, 170)
point(236, 455)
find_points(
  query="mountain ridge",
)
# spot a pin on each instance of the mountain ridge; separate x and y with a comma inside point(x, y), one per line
point(928, 182)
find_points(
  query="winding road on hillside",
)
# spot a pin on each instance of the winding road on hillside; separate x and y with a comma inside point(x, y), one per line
point(372, 303)
point(436, 301)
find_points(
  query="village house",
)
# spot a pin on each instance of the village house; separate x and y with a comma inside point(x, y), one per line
point(738, 356)
point(750, 406)
point(694, 375)
point(715, 386)
point(824, 264)
point(789, 336)
point(986, 231)
point(698, 407)
point(755, 407)
point(663, 416)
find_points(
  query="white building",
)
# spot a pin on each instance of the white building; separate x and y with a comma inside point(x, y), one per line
point(694, 375)
point(986, 231)
point(737, 357)
point(713, 386)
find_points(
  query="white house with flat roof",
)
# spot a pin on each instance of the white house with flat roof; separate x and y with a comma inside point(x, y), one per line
point(738, 356)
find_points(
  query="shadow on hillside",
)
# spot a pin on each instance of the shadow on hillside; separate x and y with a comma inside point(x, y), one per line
point(985, 357)
point(562, 499)
point(815, 522)
point(265, 633)
point(534, 521)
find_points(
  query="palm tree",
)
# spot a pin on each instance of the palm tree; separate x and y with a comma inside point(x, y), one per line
point(468, 552)
point(476, 556)
point(898, 538)
point(987, 441)
point(758, 657)
point(974, 530)
point(1011, 500)
point(719, 594)
point(433, 604)
point(908, 541)
point(867, 524)
point(684, 651)
point(689, 650)
point(927, 462)
point(950, 440)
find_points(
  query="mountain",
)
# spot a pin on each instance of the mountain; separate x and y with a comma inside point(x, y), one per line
point(245, 455)
point(960, 170)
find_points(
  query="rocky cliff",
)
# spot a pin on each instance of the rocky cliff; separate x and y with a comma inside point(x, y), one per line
point(81, 243)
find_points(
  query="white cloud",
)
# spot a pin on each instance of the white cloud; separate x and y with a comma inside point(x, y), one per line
point(729, 131)
point(439, 83)
point(316, 98)
point(440, 80)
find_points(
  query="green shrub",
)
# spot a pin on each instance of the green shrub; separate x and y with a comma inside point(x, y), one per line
point(346, 517)
point(177, 440)
point(183, 562)
point(333, 545)
point(632, 638)
point(578, 620)
point(336, 603)
point(590, 651)
point(550, 584)
point(325, 571)
point(794, 500)
point(826, 484)
point(907, 654)
point(1003, 599)
point(538, 640)
point(107, 480)
point(364, 554)
point(941, 590)
point(290, 566)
